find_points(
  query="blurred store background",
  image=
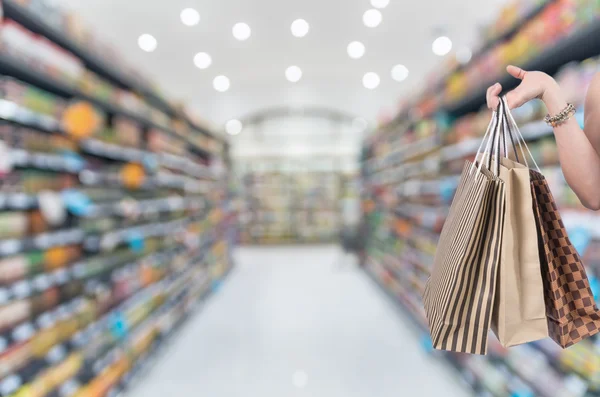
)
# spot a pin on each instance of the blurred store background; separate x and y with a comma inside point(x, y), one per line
point(237, 197)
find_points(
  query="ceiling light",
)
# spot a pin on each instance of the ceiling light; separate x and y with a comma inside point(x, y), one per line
point(221, 83)
point(399, 72)
point(356, 50)
point(293, 74)
point(372, 18)
point(371, 80)
point(300, 379)
point(202, 60)
point(241, 31)
point(234, 127)
point(441, 46)
point(300, 28)
point(190, 17)
point(380, 3)
point(147, 42)
point(464, 55)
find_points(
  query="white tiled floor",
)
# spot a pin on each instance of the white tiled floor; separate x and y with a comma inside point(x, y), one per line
point(287, 310)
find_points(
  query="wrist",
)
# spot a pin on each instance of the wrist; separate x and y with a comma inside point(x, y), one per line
point(553, 98)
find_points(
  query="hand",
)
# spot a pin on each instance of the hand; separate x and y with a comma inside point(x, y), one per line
point(533, 85)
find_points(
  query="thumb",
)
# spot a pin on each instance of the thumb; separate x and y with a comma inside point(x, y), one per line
point(516, 72)
point(492, 96)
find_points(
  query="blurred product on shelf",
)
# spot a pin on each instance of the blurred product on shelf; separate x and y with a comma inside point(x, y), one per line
point(159, 141)
point(542, 34)
point(93, 278)
point(68, 31)
point(37, 52)
point(125, 132)
point(17, 94)
point(574, 78)
point(409, 180)
point(295, 207)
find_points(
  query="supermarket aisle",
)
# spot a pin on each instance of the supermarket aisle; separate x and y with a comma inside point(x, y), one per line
point(288, 322)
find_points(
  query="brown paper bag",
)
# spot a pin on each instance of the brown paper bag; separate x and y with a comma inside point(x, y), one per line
point(459, 294)
point(519, 314)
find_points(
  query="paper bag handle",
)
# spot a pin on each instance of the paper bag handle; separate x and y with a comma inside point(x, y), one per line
point(489, 142)
point(512, 127)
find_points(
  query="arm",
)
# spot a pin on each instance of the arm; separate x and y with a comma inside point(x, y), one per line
point(577, 150)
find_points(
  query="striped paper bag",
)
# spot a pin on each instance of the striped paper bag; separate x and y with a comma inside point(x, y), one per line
point(459, 295)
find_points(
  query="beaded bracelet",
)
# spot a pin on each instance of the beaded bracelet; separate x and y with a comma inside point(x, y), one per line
point(561, 117)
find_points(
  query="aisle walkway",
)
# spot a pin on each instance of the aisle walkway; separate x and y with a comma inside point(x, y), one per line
point(289, 322)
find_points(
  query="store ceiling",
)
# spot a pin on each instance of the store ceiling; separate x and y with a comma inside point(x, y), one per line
point(256, 67)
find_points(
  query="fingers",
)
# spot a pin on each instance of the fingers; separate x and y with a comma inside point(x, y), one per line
point(515, 98)
point(516, 72)
point(492, 96)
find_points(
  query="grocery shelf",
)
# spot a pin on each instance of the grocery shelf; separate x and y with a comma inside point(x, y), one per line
point(530, 131)
point(84, 336)
point(536, 130)
point(580, 45)
point(123, 153)
point(114, 238)
point(502, 37)
point(185, 165)
point(584, 219)
point(11, 66)
point(405, 207)
point(303, 208)
point(23, 201)
point(160, 180)
point(46, 161)
point(146, 207)
point(501, 358)
point(37, 25)
point(41, 241)
point(92, 61)
point(404, 309)
point(26, 330)
point(24, 288)
point(404, 263)
point(415, 188)
point(114, 152)
point(11, 111)
point(97, 327)
point(460, 149)
point(78, 343)
point(17, 201)
point(408, 152)
point(134, 249)
point(109, 357)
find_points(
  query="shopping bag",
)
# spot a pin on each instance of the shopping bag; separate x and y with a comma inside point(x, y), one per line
point(572, 314)
point(519, 314)
point(571, 311)
point(459, 294)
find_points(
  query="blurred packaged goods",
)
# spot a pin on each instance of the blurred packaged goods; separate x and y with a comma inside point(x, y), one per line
point(534, 34)
point(70, 63)
point(61, 23)
point(113, 224)
point(406, 196)
point(300, 207)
